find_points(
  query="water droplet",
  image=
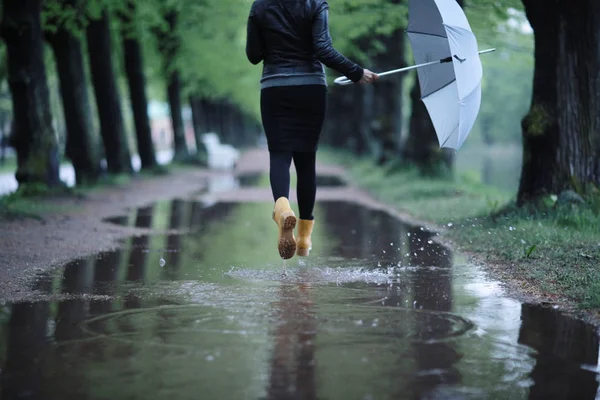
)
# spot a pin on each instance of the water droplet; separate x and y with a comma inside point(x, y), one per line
point(408, 234)
point(430, 242)
point(359, 322)
point(391, 243)
point(162, 262)
point(450, 224)
point(210, 358)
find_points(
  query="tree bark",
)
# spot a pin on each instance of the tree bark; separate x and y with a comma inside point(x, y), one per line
point(387, 106)
point(197, 121)
point(561, 132)
point(174, 95)
point(112, 127)
point(209, 115)
point(168, 44)
point(80, 143)
point(349, 121)
point(34, 137)
point(136, 79)
point(422, 147)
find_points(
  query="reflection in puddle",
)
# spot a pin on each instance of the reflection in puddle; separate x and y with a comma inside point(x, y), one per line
point(255, 179)
point(378, 311)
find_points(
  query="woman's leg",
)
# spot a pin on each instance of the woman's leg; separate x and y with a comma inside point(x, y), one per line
point(306, 188)
point(279, 173)
point(283, 215)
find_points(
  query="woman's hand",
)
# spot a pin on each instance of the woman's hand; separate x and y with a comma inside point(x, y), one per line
point(368, 77)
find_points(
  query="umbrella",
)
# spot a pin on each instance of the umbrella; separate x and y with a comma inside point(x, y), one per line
point(448, 67)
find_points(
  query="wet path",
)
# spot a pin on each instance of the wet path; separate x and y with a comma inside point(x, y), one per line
point(378, 311)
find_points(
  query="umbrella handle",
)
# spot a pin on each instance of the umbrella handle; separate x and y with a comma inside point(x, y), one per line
point(342, 80)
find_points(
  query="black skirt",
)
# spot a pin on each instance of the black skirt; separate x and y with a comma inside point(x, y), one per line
point(293, 116)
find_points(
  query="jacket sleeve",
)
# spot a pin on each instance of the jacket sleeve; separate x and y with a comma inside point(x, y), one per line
point(254, 42)
point(324, 49)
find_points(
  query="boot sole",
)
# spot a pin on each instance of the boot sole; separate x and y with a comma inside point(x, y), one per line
point(287, 243)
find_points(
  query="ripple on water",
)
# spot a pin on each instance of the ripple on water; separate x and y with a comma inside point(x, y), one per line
point(210, 315)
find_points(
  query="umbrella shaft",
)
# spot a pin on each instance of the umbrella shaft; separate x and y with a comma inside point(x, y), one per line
point(443, 60)
point(342, 80)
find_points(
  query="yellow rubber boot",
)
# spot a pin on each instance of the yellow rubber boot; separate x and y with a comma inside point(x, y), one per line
point(285, 218)
point(304, 244)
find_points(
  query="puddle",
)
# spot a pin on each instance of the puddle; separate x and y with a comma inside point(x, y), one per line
point(378, 311)
point(257, 179)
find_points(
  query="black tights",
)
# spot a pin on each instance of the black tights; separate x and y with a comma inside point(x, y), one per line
point(306, 189)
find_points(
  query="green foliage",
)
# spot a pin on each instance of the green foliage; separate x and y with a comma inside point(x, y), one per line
point(212, 37)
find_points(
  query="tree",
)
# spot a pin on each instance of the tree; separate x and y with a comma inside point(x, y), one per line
point(169, 46)
point(64, 26)
point(561, 132)
point(34, 137)
point(112, 126)
point(199, 129)
point(387, 99)
point(136, 79)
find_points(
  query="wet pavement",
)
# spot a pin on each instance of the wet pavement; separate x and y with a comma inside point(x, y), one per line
point(378, 311)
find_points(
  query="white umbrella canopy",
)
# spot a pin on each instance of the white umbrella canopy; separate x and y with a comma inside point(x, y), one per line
point(451, 91)
point(448, 66)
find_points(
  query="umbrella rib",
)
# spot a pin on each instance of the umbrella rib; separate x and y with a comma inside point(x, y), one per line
point(428, 34)
point(449, 136)
point(437, 90)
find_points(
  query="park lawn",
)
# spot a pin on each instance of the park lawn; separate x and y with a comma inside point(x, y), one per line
point(9, 165)
point(556, 251)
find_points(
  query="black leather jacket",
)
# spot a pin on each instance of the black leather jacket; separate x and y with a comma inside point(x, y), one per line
point(292, 38)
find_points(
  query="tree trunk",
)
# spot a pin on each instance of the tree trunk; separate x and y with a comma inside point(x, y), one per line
point(387, 106)
point(80, 144)
point(112, 127)
point(422, 146)
point(34, 137)
point(174, 94)
point(349, 122)
point(136, 79)
point(209, 115)
point(168, 44)
point(561, 132)
point(196, 106)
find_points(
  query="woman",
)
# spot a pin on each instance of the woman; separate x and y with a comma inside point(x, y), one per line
point(292, 38)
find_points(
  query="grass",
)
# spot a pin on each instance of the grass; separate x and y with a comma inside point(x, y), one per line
point(556, 249)
point(28, 200)
point(9, 165)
